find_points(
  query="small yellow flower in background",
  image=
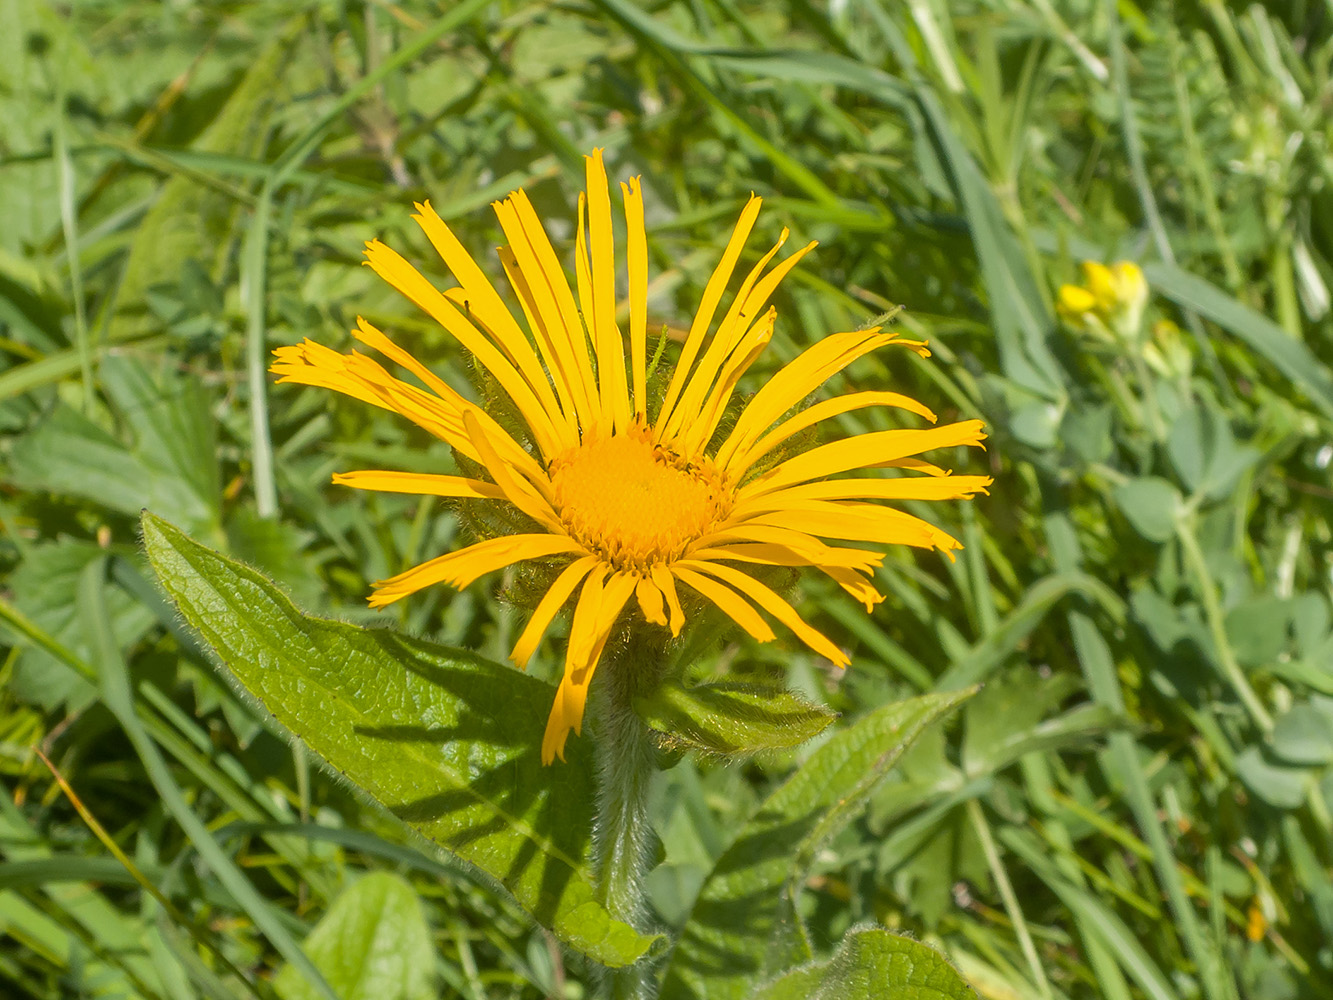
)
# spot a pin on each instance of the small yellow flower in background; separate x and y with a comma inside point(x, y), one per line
point(638, 508)
point(1110, 300)
point(1075, 300)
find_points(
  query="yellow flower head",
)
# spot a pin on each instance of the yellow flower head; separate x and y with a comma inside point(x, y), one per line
point(1110, 299)
point(637, 508)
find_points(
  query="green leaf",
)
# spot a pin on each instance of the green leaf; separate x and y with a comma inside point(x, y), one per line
point(1008, 720)
point(445, 740)
point(872, 964)
point(169, 461)
point(1304, 735)
point(44, 587)
point(744, 927)
point(1204, 453)
point(1151, 505)
point(732, 718)
point(373, 944)
point(1289, 355)
point(1277, 784)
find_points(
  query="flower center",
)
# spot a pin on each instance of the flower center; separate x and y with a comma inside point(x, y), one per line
point(634, 503)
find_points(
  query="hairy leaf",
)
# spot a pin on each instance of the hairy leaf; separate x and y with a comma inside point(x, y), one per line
point(870, 964)
point(445, 740)
point(732, 719)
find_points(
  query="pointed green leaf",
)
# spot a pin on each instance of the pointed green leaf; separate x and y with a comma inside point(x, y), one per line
point(871, 964)
point(731, 719)
point(1152, 505)
point(445, 740)
point(373, 944)
point(744, 927)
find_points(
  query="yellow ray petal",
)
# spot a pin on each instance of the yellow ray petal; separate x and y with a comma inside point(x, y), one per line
point(786, 529)
point(774, 554)
point(517, 490)
point(540, 265)
point(594, 617)
point(863, 522)
point(607, 339)
point(747, 305)
point(667, 585)
point(636, 256)
point(549, 606)
point(651, 602)
point(438, 416)
point(560, 364)
point(824, 410)
point(455, 404)
point(900, 488)
point(703, 318)
point(483, 304)
point(860, 452)
point(393, 268)
point(916, 465)
point(701, 379)
point(771, 602)
point(441, 416)
point(309, 363)
point(698, 432)
point(458, 569)
point(730, 602)
point(418, 483)
point(854, 584)
point(796, 380)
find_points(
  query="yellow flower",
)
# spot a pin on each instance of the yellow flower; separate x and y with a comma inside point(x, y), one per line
point(1101, 285)
point(1111, 299)
point(1075, 300)
point(638, 508)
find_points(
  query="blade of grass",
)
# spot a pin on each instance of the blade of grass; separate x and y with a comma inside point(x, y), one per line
point(107, 841)
point(1099, 670)
point(119, 700)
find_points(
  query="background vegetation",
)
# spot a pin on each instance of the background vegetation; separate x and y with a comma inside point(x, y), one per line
point(1137, 805)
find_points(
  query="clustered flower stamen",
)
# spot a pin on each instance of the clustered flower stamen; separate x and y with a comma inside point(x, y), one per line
point(633, 510)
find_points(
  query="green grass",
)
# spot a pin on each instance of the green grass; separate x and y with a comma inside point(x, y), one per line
point(1137, 805)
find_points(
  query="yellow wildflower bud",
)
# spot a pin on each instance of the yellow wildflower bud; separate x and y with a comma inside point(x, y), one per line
point(1102, 285)
point(1075, 300)
point(1131, 285)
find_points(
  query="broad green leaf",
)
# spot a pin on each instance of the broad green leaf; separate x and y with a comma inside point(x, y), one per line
point(1204, 453)
point(1151, 505)
point(1277, 784)
point(732, 718)
point(168, 460)
point(744, 927)
point(445, 740)
point(872, 964)
point(372, 944)
point(1304, 735)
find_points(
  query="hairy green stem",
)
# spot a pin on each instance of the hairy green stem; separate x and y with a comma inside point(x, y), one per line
point(621, 836)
